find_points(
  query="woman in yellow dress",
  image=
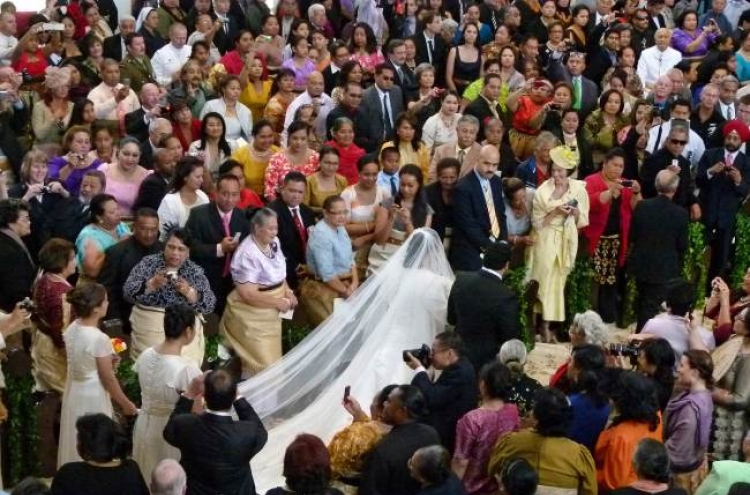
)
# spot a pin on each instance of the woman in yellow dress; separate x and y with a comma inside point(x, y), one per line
point(256, 86)
point(408, 140)
point(325, 182)
point(560, 208)
point(254, 156)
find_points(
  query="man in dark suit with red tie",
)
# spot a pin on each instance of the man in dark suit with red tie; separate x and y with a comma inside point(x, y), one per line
point(478, 212)
point(294, 219)
point(217, 229)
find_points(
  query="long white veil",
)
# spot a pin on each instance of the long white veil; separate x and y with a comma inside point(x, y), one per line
point(360, 345)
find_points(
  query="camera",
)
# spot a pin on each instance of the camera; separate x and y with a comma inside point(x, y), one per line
point(555, 106)
point(172, 277)
point(27, 305)
point(626, 350)
point(573, 203)
point(422, 354)
point(626, 183)
point(46, 189)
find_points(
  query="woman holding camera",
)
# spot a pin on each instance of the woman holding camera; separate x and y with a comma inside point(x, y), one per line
point(612, 202)
point(91, 383)
point(724, 304)
point(73, 165)
point(162, 280)
point(559, 209)
point(691, 40)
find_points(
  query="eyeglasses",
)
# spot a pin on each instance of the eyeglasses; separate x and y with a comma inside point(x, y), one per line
point(678, 142)
point(387, 78)
point(641, 18)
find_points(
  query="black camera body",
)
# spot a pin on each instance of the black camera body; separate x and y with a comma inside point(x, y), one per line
point(172, 277)
point(627, 350)
point(27, 305)
point(46, 189)
point(422, 354)
point(626, 183)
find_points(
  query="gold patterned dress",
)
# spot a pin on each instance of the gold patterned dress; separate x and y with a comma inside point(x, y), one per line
point(348, 449)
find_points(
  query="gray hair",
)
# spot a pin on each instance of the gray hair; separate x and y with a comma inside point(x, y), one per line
point(512, 350)
point(156, 123)
point(313, 8)
point(395, 43)
point(126, 17)
point(449, 25)
point(729, 78)
point(261, 218)
point(545, 138)
point(667, 181)
point(168, 478)
point(432, 464)
point(422, 68)
point(468, 119)
point(590, 324)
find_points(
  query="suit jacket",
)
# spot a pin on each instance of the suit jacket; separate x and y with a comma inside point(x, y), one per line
point(719, 197)
point(471, 221)
point(589, 90)
point(451, 486)
point(659, 161)
point(112, 46)
point(17, 271)
point(206, 227)
point(480, 109)
point(139, 72)
point(222, 40)
point(216, 450)
point(448, 150)
point(449, 397)
point(136, 126)
point(485, 313)
point(372, 106)
point(438, 55)
point(291, 244)
point(330, 79)
point(152, 191)
point(147, 154)
point(407, 82)
point(658, 240)
point(385, 470)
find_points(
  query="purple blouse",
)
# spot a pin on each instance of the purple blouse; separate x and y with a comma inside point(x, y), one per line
point(476, 434)
point(73, 182)
point(300, 74)
point(681, 39)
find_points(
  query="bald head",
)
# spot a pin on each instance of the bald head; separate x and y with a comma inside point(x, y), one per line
point(149, 95)
point(315, 84)
point(667, 182)
point(168, 478)
point(489, 161)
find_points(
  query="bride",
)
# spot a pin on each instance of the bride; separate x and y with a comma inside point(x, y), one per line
point(360, 346)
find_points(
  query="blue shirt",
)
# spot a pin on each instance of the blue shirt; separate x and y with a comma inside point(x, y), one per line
point(384, 181)
point(329, 251)
point(588, 420)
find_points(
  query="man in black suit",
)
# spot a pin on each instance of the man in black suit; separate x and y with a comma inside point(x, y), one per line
point(430, 45)
point(478, 212)
point(294, 219)
point(137, 121)
point(670, 157)
point(227, 37)
point(382, 102)
point(120, 259)
point(158, 129)
point(339, 56)
point(724, 181)
point(385, 470)
point(156, 185)
point(602, 56)
point(455, 391)
point(350, 107)
point(17, 270)
point(483, 309)
point(658, 240)
point(572, 73)
point(405, 78)
point(217, 229)
point(215, 450)
point(486, 105)
point(114, 46)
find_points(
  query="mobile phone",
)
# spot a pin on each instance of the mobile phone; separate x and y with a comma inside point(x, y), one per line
point(266, 38)
point(626, 183)
point(53, 26)
point(347, 391)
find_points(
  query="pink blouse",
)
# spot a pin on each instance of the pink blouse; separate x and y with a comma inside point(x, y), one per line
point(124, 192)
point(279, 165)
point(369, 61)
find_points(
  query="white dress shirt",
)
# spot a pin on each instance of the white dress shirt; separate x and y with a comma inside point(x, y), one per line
point(325, 107)
point(725, 110)
point(654, 63)
point(7, 46)
point(168, 60)
point(105, 105)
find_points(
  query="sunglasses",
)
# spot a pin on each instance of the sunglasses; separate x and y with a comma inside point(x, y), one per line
point(641, 18)
point(678, 142)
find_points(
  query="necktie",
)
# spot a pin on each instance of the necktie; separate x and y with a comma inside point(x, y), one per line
point(394, 187)
point(730, 113)
point(225, 218)
point(729, 160)
point(400, 74)
point(300, 228)
point(577, 92)
point(461, 156)
point(494, 224)
point(387, 124)
point(430, 49)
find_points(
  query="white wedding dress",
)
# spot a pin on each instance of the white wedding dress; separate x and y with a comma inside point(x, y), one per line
point(402, 307)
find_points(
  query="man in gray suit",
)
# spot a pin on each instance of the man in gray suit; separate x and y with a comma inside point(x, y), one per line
point(382, 102)
point(585, 91)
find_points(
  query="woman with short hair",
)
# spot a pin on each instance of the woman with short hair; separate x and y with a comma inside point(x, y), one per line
point(307, 468)
point(105, 229)
point(651, 465)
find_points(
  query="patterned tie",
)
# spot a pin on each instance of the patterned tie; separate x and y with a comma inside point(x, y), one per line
point(225, 219)
point(494, 224)
point(577, 92)
point(461, 156)
point(430, 50)
point(300, 228)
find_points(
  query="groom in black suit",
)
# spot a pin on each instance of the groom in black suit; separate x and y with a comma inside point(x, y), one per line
point(483, 309)
point(215, 449)
point(478, 212)
point(214, 227)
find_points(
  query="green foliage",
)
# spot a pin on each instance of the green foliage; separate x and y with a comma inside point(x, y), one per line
point(695, 269)
point(742, 249)
point(515, 279)
point(128, 379)
point(292, 334)
point(578, 288)
point(628, 305)
point(212, 348)
point(23, 435)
